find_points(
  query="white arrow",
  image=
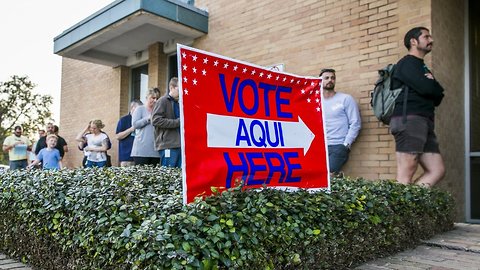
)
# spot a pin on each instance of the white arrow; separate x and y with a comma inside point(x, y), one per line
point(222, 132)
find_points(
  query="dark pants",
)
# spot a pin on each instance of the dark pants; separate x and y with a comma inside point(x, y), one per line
point(337, 157)
point(18, 164)
point(146, 160)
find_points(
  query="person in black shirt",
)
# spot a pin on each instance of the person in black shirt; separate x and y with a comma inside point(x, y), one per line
point(412, 123)
point(61, 143)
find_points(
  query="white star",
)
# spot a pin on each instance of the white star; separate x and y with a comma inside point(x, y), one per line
point(194, 58)
point(318, 109)
point(215, 63)
point(225, 65)
point(284, 78)
point(194, 70)
point(184, 55)
point(185, 79)
point(253, 72)
point(185, 91)
point(308, 100)
point(317, 100)
point(204, 72)
point(269, 76)
point(244, 70)
point(278, 77)
point(292, 80)
point(235, 68)
point(298, 81)
point(305, 82)
point(194, 81)
point(185, 67)
point(312, 84)
point(205, 60)
point(261, 74)
point(303, 91)
point(317, 92)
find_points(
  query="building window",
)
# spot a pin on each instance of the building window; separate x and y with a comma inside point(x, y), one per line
point(140, 83)
point(172, 67)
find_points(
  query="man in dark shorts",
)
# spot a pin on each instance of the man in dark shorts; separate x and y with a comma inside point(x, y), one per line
point(415, 139)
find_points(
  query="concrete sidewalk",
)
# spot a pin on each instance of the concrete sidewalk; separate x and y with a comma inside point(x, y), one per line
point(456, 249)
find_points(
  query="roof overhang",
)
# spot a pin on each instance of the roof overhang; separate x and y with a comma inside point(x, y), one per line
point(125, 28)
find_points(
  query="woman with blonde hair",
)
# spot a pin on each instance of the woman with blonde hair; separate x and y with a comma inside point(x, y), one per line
point(143, 150)
point(96, 144)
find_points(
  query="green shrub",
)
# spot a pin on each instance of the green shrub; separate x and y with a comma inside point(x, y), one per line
point(133, 218)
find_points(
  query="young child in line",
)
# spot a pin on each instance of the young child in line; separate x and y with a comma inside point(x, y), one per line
point(49, 156)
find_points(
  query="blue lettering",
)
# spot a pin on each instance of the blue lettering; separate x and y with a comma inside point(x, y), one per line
point(278, 136)
point(241, 168)
point(254, 168)
point(230, 97)
point(291, 167)
point(261, 138)
point(251, 83)
point(266, 87)
point(228, 102)
point(258, 168)
point(280, 168)
point(242, 133)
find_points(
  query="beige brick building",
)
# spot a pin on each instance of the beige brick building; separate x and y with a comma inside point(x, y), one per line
point(104, 54)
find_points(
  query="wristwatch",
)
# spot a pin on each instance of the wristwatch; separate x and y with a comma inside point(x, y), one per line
point(347, 146)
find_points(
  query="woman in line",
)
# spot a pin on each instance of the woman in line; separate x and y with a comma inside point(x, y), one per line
point(143, 150)
point(96, 144)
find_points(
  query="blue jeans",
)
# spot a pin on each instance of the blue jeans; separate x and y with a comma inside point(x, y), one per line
point(18, 164)
point(100, 164)
point(174, 159)
point(337, 157)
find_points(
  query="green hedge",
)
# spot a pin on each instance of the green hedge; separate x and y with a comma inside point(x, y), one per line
point(133, 218)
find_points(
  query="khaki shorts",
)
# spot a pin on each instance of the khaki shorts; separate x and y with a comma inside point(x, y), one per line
point(416, 136)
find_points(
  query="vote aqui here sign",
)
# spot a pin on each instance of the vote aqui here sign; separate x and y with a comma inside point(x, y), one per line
point(244, 122)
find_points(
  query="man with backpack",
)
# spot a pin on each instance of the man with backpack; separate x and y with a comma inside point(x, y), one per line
point(342, 121)
point(412, 123)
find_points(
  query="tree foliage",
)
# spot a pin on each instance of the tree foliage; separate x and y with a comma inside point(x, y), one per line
point(20, 106)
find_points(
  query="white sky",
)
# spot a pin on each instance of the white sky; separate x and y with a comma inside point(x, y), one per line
point(27, 29)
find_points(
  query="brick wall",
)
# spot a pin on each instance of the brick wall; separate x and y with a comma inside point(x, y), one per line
point(88, 91)
point(447, 63)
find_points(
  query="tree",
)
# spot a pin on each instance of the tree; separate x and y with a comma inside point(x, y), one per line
point(20, 106)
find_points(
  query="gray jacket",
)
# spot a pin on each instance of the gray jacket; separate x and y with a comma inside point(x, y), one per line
point(166, 126)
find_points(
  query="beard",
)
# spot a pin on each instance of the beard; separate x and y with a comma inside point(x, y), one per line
point(329, 86)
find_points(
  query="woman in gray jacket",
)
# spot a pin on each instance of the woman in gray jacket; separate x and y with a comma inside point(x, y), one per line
point(143, 150)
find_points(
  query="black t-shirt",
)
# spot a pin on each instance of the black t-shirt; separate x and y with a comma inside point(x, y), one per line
point(42, 143)
point(424, 94)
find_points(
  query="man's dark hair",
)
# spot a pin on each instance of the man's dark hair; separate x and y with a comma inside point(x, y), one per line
point(17, 127)
point(326, 70)
point(55, 129)
point(413, 33)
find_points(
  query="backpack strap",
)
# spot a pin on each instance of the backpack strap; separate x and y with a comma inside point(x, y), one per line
point(405, 98)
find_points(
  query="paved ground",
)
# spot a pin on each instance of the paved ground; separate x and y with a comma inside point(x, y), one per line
point(457, 249)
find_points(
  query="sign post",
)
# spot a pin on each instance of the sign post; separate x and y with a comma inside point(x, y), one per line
point(245, 122)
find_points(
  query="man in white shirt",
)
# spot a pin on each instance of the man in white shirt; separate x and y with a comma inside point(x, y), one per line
point(342, 121)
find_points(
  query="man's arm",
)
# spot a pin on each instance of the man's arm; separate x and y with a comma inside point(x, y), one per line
point(422, 81)
point(354, 120)
point(123, 134)
point(159, 116)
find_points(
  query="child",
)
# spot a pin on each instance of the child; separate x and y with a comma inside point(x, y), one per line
point(50, 156)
